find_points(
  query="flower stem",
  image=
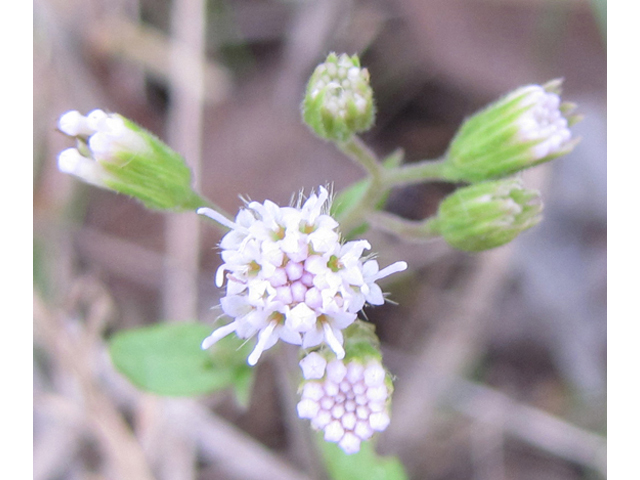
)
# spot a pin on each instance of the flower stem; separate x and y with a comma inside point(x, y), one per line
point(358, 151)
point(415, 230)
point(382, 178)
point(419, 172)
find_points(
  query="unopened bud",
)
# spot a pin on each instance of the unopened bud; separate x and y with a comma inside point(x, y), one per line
point(487, 215)
point(527, 127)
point(339, 100)
point(114, 153)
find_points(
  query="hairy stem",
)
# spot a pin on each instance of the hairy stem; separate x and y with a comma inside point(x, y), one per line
point(415, 230)
point(356, 149)
point(380, 180)
point(418, 172)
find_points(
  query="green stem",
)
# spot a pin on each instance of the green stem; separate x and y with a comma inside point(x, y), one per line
point(356, 149)
point(419, 172)
point(421, 230)
point(381, 179)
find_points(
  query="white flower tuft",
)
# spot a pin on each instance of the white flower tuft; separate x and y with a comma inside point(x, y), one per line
point(543, 122)
point(344, 406)
point(73, 162)
point(73, 123)
point(104, 134)
point(289, 277)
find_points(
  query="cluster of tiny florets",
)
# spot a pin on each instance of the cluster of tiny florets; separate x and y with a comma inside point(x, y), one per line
point(348, 402)
point(289, 277)
point(344, 82)
point(103, 134)
point(543, 121)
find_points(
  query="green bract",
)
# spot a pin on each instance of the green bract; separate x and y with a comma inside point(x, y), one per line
point(159, 176)
point(487, 215)
point(339, 101)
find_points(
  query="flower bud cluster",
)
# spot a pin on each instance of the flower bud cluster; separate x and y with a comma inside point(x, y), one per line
point(289, 277)
point(339, 100)
point(527, 127)
point(348, 401)
point(114, 153)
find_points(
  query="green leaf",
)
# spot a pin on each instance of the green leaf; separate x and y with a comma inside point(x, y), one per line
point(348, 197)
point(364, 465)
point(166, 359)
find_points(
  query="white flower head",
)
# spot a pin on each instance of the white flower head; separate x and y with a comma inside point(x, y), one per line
point(114, 153)
point(80, 162)
point(350, 402)
point(105, 135)
point(542, 122)
point(289, 277)
point(344, 81)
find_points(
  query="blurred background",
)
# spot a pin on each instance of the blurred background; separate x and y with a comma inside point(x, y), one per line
point(499, 357)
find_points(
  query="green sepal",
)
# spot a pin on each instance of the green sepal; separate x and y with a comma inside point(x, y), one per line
point(361, 342)
point(363, 465)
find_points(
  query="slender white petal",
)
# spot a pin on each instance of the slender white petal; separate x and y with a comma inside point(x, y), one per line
point(218, 334)
point(218, 217)
point(393, 268)
point(263, 339)
point(332, 341)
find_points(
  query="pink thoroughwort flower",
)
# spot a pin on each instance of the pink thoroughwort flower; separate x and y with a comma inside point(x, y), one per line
point(349, 402)
point(289, 277)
